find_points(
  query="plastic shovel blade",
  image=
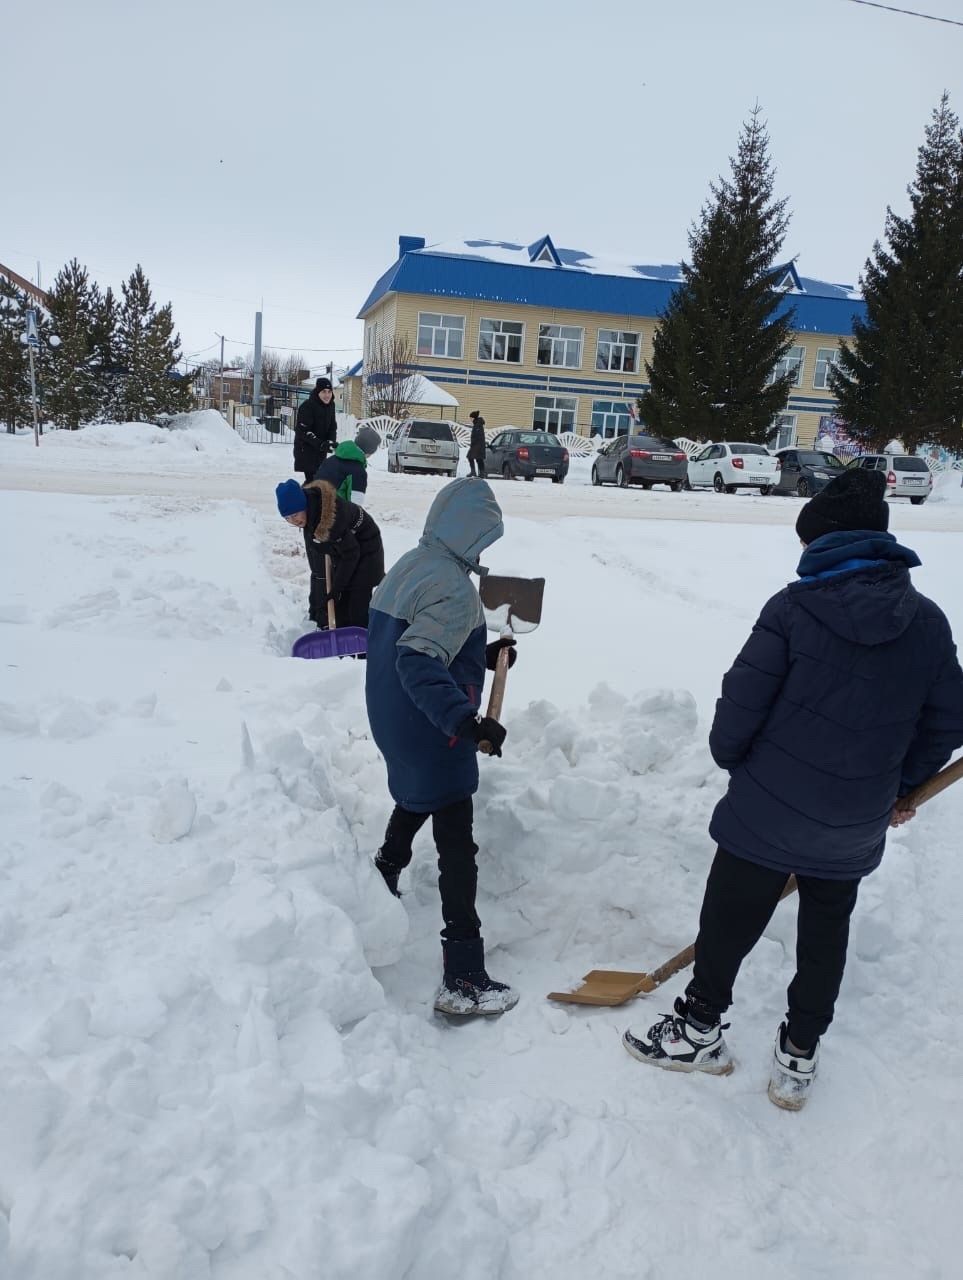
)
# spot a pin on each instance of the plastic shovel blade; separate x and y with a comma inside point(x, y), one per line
point(511, 604)
point(606, 987)
point(343, 642)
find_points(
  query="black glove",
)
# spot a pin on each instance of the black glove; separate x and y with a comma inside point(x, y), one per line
point(492, 651)
point(479, 729)
point(309, 435)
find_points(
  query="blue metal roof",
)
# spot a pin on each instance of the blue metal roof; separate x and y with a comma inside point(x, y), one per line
point(638, 290)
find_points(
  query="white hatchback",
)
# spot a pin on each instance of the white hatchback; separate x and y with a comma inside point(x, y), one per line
point(730, 465)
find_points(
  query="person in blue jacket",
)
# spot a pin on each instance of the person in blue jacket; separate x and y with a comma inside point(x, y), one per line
point(427, 659)
point(847, 695)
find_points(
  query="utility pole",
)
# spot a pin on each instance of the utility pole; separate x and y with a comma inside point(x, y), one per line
point(221, 385)
point(256, 397)
point(31, 340)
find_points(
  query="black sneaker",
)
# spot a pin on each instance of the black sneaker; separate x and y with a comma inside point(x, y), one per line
point(679, 1044)
point(389, 874)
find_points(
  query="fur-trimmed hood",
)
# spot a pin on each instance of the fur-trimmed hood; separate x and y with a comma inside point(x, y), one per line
point(328, 509)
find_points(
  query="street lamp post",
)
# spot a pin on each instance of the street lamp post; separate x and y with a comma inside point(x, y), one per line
point(31, 340)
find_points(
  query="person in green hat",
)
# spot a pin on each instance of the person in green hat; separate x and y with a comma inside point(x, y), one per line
point(346, 470)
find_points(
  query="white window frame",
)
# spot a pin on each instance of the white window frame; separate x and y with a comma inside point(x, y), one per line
point(555, 410)
point(786, 364)
point(441, 328)
point(560, 342)
point(500, 332)
point(824, 363)
point(611, 429)
point(784, 422)
point(622, 341)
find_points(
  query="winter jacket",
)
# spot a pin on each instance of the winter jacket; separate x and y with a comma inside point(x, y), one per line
point(347, 471)
point(315, 434)
point(351, 538)
point(477, 443)
point(426, 651)
point(847, 694)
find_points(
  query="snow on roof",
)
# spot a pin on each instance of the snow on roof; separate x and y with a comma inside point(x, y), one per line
point(425, 391)
point(541, 274)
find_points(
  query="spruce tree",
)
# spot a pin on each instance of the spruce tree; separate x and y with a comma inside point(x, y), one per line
point(902, 375)
point(71, 394)
point(726, 325)
point(104, 348)
point(15, 408)
point(148, 350)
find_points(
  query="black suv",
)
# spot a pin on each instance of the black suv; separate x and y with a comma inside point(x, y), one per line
point(514, 453)
point(806, 471)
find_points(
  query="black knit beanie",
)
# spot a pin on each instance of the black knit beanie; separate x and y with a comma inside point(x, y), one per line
point(854, 500)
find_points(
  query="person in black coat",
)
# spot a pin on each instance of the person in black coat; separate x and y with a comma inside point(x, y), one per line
point(477, 445)
point(316, 429)
point(846, 696)
point(346, 533)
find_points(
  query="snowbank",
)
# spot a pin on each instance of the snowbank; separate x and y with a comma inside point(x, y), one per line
point(201, 432)
point(218, 1055)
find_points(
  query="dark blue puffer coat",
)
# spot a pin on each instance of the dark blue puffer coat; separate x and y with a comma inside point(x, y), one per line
point(847, 695)
point(426, 652)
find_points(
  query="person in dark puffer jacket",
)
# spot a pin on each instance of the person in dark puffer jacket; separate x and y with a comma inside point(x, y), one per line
point(847, 695)
point(427, 659)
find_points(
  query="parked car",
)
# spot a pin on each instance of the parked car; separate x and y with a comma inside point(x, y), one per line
point(420, 444)
point(731, 465)
point(644, 460)
point(513, 452)
point(907, 476)
point(806, 471)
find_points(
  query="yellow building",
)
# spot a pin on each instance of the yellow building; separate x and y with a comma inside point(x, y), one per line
point(555, 338)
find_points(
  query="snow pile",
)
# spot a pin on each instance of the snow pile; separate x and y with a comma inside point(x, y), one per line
point(947, 487)
point(202, 432)
point(218, 1055)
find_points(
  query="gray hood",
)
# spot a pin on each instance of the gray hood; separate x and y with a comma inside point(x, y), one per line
point(464, 519)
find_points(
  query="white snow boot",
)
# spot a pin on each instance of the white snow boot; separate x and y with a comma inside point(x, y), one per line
point(792, 1074)
point(679, 1043)
point(466, 989)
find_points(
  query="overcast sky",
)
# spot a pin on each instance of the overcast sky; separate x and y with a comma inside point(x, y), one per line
point(245, 151)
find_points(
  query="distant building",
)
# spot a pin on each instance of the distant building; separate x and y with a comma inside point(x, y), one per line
point(536, 336)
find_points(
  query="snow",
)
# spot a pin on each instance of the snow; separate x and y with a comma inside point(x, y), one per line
point(216, 1040)
point(424, 391)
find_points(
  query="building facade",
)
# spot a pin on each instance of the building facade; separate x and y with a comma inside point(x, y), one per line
point(531, 335)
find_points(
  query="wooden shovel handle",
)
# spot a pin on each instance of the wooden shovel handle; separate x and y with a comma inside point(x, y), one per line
point(933, 786)
point(497, 695)
point(328, 579)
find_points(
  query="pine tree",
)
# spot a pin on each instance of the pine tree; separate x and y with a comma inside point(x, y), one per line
point(148, 350)
point(71, 395)
point(726, 326)
point(14, 372)
point(902, 376)
point(104, 347)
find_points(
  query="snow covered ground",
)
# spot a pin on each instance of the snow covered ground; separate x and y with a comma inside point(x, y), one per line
point(216, 1041)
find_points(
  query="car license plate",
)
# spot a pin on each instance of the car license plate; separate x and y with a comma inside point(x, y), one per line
point(661, 457)
point(429, 448)
point(914, 480)
point(544, 471)
point(761, 479)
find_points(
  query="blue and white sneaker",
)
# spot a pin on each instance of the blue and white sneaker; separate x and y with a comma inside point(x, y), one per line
point(792, 1074)
point(677, 1043)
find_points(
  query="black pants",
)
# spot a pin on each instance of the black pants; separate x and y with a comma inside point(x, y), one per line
point(457, 872)
point(739, 900)
point(478, 462)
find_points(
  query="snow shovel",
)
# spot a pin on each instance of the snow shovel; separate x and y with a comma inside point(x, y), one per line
point(336, 642)
point(513, 606)
point(609, 987)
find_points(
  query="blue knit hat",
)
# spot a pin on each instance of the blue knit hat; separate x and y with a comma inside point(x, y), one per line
point(291, 498)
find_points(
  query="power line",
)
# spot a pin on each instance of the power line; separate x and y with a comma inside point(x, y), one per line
point(236, 342)
point(912, 13)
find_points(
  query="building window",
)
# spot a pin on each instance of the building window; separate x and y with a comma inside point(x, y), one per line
point(439, 335)
point(560, 345)
point(617, 351)
point(826, 357)
point(555, 413)
point(785, 428)
point(792, 362)
point(610, 418)
point(500, 340)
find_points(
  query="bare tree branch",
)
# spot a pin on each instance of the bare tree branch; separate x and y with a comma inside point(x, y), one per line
point(390, 380)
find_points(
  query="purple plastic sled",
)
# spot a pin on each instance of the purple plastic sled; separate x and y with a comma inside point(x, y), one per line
point(343, 642)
